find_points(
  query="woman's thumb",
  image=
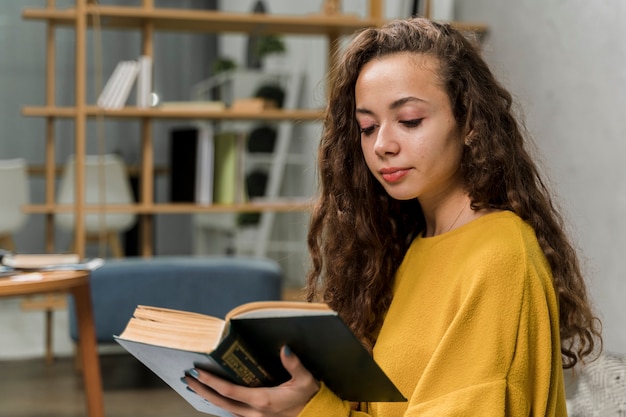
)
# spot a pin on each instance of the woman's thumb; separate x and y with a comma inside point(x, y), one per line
point(292, 363)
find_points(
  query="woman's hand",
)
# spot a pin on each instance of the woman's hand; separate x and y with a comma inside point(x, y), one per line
point(285, 400)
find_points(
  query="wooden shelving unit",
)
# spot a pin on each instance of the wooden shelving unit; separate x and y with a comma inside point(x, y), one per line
point(149, 19)
point(157, 113)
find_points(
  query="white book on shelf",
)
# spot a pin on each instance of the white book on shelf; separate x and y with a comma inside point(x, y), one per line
point(144, 82)
point(121, 94)
point(110, 84)
point(205, 154)
point(109, 100)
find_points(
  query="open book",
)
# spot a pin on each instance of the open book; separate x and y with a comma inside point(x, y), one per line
point(244, 348)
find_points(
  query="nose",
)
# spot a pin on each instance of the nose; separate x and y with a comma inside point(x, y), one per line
point(386, 143)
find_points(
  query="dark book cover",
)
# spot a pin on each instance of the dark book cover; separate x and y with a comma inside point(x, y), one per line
point(183, 156)
point(249, 355)
point(326, 347)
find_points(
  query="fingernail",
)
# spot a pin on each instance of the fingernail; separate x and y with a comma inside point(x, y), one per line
point(189, 389)
point(193, 373)
point(183, 380)
point(287, 351)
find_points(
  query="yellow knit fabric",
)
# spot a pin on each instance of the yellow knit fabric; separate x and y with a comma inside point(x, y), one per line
point(472, 331)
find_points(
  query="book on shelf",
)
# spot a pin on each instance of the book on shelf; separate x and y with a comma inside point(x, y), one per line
point(228, 170)
point(48, 262)
point(118, 87)
point(183, 149)
point(205, 160)
point(144, 82)
point(207, 167)
point(111, 83)
point(120, 94)
point(244, 349)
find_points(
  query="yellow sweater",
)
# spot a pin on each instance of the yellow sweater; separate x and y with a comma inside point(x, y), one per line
point(473, 329)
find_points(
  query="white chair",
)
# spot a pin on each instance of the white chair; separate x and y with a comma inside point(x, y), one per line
point(14, 180)
point(106, 182)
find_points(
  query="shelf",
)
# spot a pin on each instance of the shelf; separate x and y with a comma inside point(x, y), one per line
point(148, 20)
point(133, 170)
point(294, 205)
point(157, 113)
point(206, 21)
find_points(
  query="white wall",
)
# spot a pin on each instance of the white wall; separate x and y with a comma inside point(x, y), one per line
point(564, 61)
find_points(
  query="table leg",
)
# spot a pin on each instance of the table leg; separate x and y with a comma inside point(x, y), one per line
point(89, 351)
point(49, 345)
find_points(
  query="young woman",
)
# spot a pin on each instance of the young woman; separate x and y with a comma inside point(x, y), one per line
point(436, 240)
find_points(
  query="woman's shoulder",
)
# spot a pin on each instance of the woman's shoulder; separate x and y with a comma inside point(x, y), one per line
point(503, 238)
point(500, 227)
point(490, 238)
point(494, 237)
point(496, 228)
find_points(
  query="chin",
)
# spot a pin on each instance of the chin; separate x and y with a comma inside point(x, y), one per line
point(401, 196)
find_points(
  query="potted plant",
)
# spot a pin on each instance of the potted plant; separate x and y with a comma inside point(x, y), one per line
point(223, 92)
point(271, 51)
point(223, 64)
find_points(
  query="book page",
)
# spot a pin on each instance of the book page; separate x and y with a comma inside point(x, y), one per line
point(174, 329)
point(168, 315)
point(262, 309)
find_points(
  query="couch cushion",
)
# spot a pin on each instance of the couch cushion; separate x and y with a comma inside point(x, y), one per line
point(208, 285)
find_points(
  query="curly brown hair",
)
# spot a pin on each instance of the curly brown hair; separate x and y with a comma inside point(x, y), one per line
point(358, 234)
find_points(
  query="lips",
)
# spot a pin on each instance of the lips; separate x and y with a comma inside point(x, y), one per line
point(393, 174)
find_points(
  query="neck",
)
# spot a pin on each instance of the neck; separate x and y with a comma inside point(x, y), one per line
point(449, 216)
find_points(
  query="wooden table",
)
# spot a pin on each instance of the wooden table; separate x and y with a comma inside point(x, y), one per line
point(77, 284)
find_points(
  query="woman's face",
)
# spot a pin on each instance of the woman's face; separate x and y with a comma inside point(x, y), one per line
point(409, 136)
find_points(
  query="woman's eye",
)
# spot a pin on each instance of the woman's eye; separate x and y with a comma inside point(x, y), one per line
point(368, 130)
point(411, 123)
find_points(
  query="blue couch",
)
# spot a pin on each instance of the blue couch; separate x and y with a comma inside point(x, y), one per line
point(209, 285)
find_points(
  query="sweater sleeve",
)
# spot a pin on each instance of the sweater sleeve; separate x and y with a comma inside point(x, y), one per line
point(326, 403)
point(497, 356)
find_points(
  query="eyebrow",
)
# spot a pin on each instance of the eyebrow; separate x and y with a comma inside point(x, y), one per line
point(395, 105)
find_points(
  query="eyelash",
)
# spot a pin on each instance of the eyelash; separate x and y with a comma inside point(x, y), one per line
point(408, 123)
point(412, 123)
point(368, 130)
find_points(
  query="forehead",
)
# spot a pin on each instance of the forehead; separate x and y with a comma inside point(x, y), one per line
point(399, 74)
point(401, 62)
